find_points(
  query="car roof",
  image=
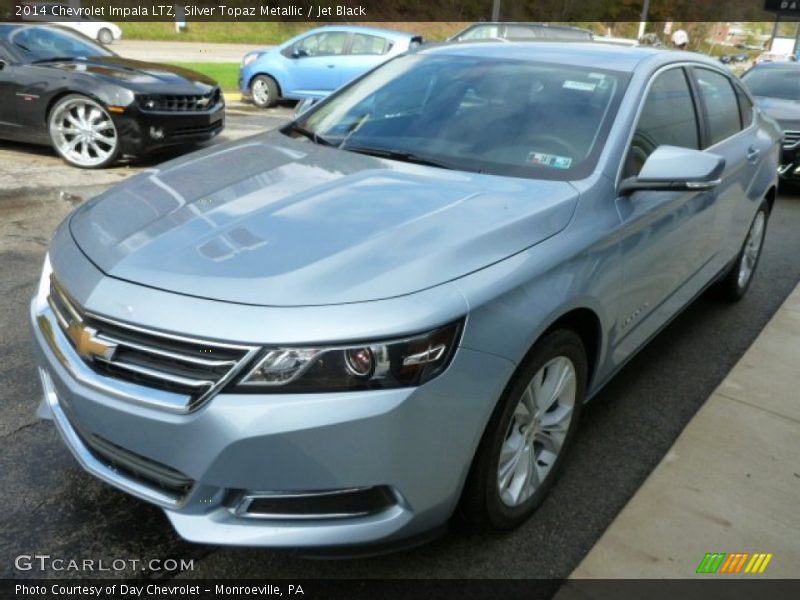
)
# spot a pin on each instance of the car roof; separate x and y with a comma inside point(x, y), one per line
point(789, 64)
point(528, 23)
point(390, 33)
point(585, 54)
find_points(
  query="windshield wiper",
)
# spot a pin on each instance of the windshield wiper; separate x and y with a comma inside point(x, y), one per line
point(404, 156)
point(312, 135)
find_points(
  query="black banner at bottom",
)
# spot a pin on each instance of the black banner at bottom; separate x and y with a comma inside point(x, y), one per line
point(402, 589)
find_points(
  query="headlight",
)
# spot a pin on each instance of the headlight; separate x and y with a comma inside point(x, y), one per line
point(44, 283)
point(248, 58)
point(400, 363)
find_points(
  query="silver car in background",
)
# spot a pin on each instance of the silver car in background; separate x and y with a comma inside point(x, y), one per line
point(337, 333)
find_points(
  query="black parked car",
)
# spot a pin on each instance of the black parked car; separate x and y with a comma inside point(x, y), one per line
point(58, 87)
point(776, 87)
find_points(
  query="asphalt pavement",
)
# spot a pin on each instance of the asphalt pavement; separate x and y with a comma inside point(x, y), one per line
point(164, 51)
point(51, 506)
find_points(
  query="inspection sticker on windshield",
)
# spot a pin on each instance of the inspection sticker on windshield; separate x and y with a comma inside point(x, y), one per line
point(549, 160)
point(584, 86)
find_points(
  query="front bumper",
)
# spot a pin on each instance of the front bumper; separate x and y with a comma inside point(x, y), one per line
point(417, 442)
point(143, 131)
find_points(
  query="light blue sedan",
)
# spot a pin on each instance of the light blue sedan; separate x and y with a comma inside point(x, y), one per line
point(314, 63)
point(339, 332)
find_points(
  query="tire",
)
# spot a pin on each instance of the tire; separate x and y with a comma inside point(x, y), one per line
point(735, 284)
point(104, 36)
point(83, 133)
point(489, 500)
point(264, 91)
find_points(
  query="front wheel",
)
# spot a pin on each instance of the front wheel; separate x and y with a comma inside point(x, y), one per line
point(264, 91)
point(83, 133)
point(736, 283)
point(525, 441)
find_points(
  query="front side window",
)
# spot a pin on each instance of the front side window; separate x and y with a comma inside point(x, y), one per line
point(722, 106)
point(369, 44)
point(480, 32)
point(322, 44)
point(668, 118)
point(498, 116)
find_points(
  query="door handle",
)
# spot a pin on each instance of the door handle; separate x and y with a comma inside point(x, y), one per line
point(753, 154)
point(331, 66)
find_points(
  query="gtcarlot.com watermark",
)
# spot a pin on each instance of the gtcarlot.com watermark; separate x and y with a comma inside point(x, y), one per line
point(47, 562)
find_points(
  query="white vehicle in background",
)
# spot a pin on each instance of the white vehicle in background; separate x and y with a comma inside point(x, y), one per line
point(104, 32)
point(616, 41)
point(766, 57)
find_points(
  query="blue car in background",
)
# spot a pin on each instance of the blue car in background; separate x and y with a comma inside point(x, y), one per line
point(314, 63)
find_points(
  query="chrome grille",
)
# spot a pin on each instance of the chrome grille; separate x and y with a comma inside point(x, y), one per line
point(194, 369)
point(181, 102)
point(791, 139)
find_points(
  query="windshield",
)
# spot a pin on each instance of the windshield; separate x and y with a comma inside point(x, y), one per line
point(488, 115)
point(49, 43)
point(774, 83)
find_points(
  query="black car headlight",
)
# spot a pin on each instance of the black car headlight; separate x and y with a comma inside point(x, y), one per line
point(405, 362)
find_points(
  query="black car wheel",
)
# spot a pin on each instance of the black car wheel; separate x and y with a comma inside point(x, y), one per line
point(83, 133)
point(530, 430)
point(264, 91)
point(104, 36)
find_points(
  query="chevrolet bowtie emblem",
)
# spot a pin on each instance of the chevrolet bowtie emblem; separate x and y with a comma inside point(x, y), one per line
point(86, 342)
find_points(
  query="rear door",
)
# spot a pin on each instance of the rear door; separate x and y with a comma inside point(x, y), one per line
point(364, 52)
point(730, 133)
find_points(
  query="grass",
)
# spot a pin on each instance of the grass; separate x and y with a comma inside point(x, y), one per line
point(271, 32)
point(226, 74)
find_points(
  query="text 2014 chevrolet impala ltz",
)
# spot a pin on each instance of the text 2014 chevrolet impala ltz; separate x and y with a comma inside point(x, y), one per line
point(341, 332)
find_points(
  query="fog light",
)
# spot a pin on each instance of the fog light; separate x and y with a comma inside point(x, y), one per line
point(157, 133)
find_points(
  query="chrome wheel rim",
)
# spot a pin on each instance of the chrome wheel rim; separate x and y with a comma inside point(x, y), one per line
point(260, 91)
point(537, 431)
point(83, 132)
point(752, 248)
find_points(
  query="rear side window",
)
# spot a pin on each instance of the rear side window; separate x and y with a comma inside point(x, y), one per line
point(369, 44)
point(721, 104)
point(668, 118)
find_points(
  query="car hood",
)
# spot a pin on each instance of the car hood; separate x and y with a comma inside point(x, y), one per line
point(276, 221)
point(137, 74)
point(785, 112)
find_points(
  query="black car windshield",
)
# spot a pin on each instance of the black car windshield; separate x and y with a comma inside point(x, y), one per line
point(774, 82)
point(497, 116)
point(52, 43)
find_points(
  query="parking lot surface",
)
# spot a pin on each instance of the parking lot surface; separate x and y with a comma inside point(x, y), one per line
point(52, 507)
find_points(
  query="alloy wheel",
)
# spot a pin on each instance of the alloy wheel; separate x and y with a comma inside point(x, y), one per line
point(260, 92)
point(752, 248)
point(537, 431)
point(83, 132)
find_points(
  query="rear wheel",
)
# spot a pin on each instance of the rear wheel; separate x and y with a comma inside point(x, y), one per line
point(104, 36)
point(525, 441)
point(737, 281)
point(264, 91)
point(83, 133)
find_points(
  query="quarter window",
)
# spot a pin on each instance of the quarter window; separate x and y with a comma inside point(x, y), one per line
point(722, 106)
point(668, 118)
point(369, 44)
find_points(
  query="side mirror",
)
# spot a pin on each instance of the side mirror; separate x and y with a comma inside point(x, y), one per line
point(3, 64)
point(670, 168)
